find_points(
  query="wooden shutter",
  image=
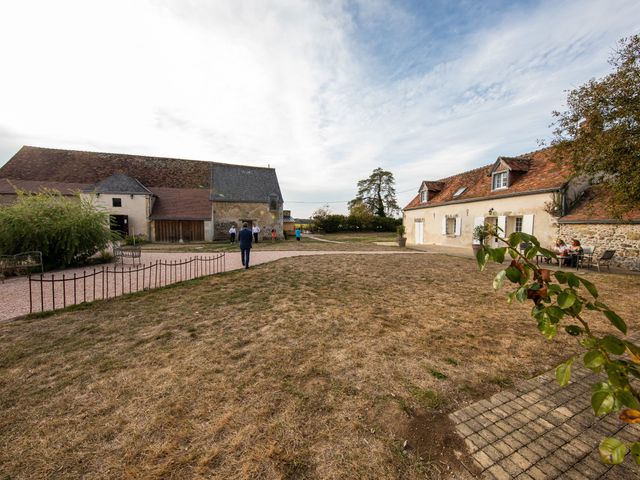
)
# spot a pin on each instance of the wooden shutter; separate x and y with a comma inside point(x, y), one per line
point(502, 226)
point(444, 225)
point(458, 226)
point(527, 224)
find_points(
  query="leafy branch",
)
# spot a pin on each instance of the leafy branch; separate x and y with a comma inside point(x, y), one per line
point(559, 301)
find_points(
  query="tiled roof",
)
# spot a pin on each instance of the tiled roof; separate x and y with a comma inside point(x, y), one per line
point(181, 204)
point(120, 183)
point(71, 166)
point(542, 174)
point(9, 186)
point(517, 164)
point(594, 206)
point(237, 183)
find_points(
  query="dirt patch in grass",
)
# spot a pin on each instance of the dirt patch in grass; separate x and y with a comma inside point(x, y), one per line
point(314, 367)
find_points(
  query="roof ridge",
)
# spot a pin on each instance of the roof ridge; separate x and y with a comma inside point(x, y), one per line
point(145, 156)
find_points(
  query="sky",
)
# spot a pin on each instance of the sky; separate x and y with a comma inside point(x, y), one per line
point(325, 91)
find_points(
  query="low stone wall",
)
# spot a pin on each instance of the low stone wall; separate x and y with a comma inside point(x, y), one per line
point(623, 238)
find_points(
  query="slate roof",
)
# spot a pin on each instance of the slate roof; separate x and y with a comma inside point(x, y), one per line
point(237, 183)
point(120, 183)
point(71, 166)
point(542, 175)
point(9, 186)
point(594, 207)
point(181, 204)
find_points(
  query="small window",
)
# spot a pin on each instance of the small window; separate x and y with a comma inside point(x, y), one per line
point(518, 227)
point(500, 180)
point(273, 202)
point(459, 192)
point(424, 196)
point(451, 226)
point(116, 202)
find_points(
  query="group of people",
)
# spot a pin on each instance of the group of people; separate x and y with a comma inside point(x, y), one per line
point(568, 255)
point(247, 236)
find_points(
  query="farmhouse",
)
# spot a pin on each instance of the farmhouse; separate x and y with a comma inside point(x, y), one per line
point(160, 199)
point(530, 193)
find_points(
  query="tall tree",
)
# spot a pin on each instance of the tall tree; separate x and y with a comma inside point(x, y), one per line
point(599, 133)
point(377, 193)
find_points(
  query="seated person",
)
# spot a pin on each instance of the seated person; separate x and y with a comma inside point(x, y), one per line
point(576, 252)
point(562, 251)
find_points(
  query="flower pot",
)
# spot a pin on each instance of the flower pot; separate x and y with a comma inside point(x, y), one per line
point(402, 241)
point(476, 249)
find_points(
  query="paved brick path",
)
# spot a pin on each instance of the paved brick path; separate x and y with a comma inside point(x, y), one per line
point(543, 431)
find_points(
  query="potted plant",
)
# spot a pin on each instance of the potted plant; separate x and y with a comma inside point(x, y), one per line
point(401, 240)
point(480, 234)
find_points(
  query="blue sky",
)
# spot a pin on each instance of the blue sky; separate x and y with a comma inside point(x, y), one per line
point(324, 91)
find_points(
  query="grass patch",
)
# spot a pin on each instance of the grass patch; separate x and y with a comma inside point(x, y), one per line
point(280, 371)
point(437, 374)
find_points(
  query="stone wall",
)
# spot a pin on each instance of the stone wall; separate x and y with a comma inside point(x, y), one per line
point(226, 214)
point(623, 238)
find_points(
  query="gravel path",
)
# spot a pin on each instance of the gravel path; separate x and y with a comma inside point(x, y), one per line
point(14, 293)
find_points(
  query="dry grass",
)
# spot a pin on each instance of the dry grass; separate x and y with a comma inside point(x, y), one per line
point(316, 367)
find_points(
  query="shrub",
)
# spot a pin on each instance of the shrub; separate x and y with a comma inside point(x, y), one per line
point(66, 230)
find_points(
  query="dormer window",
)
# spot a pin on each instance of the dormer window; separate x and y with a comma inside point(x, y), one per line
point(500, 180)
point(424, 196)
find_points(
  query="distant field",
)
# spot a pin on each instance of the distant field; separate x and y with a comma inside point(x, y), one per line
point(316, 367)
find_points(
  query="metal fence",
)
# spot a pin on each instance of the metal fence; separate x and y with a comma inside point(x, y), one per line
point(52, 292)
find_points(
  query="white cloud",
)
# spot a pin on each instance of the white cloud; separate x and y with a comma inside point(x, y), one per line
point(290, 83)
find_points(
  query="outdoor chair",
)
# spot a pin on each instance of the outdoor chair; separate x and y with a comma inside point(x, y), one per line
point(605, 259)
point(586, 259)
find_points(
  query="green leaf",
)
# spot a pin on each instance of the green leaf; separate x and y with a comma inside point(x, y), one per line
point(573, 330)
point(616, 321)
point(563, 372)
point(555, 312)
point(499, 279)
point(594, 360)
point(497, 254)
point(553, 288)
point(547, 253)
point(601, 305)
point(612, 451)
point(627, 399)
point(603, 402)
point(481, 257)
point(613, 345)
point(591, 306)
point(617, 374)
point(560, 276)
point(589, 342)
point(566, 299)
point(635, 452)
point(572, 280)
point(591, 288)
point(513, 274)
point(521, 294)
point(548, 329)
point(515, 239)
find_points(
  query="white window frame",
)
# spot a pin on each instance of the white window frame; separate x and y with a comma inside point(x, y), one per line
point(515, 225)
point(451, 226)
point(504, 180)
point(424, 196)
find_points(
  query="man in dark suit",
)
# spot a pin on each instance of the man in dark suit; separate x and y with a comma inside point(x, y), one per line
point(245, 237)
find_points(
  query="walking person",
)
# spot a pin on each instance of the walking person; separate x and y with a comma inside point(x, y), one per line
point(256, 231)
point(232, 234)
point(298, 234)
point(273, 235)
point(245, 238)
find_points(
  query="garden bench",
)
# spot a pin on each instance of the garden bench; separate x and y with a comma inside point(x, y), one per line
point(24, 261)
point(121, 253)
